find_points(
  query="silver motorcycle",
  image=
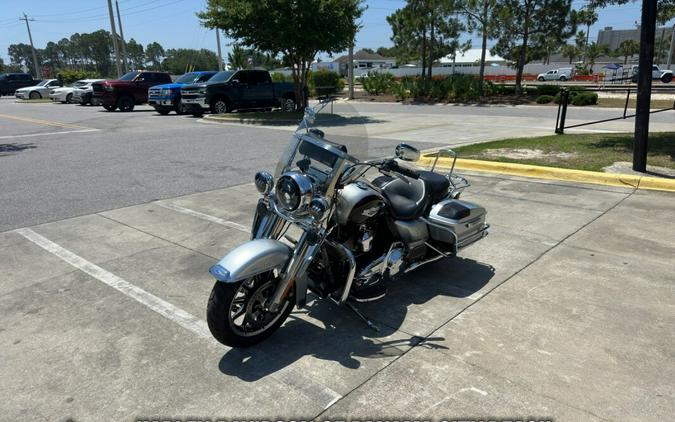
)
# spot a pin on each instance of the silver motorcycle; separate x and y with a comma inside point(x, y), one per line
point(358, 224)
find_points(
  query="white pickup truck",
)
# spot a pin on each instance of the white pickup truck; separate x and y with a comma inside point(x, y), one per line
point(664, 75)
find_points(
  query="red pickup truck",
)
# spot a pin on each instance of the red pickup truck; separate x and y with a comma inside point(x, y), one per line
point(124, 93)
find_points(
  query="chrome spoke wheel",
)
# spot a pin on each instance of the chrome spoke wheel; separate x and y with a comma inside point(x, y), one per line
point(249, 312)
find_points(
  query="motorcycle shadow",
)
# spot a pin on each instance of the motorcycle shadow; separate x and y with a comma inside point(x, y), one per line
point(328, 332)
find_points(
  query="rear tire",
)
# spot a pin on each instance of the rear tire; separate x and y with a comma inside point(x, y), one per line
point(667, 78)
point(69, 98)
point(163, 111)
point(563, 78)
point(288, 105)
point(125, 103)
point(246, 300)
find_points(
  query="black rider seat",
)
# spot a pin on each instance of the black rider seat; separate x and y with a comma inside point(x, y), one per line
point(410, 199)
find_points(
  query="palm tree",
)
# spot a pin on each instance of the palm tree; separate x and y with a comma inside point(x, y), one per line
point(570, 51)
point(580, 42)
point(587, 16)
point(593, 51)
point(628, 48)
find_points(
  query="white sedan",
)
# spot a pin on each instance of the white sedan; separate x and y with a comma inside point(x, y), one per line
point(38, 91)
point(65, 94)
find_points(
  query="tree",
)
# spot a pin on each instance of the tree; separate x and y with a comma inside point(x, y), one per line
point(2, 65)
point(237, 58)
point(21, 54)
point(628, 48)
point(527, 25)
point(587, 16)
point(271, 26)
point(183, 60)
point(569, 51)
point(432, 25)
point(386, 51)
point(154, 53)
point(135, 55)
point(481, 16)
point(593, 51)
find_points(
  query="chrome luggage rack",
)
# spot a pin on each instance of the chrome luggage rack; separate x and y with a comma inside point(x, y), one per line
point(457, 182)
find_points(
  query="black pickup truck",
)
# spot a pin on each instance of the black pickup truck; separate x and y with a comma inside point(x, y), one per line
point(238, 90)
point(10, 82)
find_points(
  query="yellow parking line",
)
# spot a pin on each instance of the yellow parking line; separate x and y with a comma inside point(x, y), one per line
point(43, 122)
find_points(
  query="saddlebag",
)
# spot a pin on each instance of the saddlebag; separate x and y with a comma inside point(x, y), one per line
point(457, 222)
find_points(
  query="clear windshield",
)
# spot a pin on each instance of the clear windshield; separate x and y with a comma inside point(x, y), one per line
point(223, 76)
point(344, 135)
point(45, 82)
point(129, 76)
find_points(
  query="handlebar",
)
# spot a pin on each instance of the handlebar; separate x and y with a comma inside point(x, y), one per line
point(392, 165)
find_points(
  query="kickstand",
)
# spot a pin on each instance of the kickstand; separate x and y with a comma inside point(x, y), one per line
point(363, 317)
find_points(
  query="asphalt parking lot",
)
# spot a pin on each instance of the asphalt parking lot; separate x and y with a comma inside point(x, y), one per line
point(565, 312)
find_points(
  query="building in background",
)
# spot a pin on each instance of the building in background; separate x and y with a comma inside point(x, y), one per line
point(471, 57)
point(364, 62)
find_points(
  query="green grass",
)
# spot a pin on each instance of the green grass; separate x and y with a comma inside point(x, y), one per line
point(584, 151)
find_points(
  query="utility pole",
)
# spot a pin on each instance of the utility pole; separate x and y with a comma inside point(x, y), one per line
point(124, 47)
point(647, 36)
point(114, 38)
point(672, 47)
point(38, 73)
point(220, 54)
point(350, 70)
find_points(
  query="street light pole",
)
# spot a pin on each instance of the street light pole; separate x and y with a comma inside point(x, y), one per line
point(38, 73)
point(114, 38)
point(647, 35)
point(124, 47)
point(220, 54)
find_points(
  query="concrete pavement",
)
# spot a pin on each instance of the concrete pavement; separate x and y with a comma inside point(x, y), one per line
point(564, 312)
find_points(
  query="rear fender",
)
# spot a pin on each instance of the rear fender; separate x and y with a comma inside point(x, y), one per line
point(250, 259)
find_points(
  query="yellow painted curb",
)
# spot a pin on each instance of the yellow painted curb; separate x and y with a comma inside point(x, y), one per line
point(554, 173)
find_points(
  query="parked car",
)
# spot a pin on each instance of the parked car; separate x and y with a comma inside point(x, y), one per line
point(165, 98)
point(238, 90)
point(128, 91)
point(82, 94)
point(65, 93)
point(10, 82)
point(664, 75)
point(562, 74)
point(41, 90)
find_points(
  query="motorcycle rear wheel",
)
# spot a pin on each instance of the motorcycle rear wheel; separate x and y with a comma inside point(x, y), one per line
point(237, 314)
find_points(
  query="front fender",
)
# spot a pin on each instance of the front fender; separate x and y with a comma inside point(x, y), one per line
point(251, 258)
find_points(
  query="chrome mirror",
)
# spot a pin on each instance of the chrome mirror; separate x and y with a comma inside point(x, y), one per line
point(407, 152)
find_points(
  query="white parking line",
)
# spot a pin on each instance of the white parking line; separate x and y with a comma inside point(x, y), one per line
point(162, 307)
point(292, 377)
point(203, 216)
point(28, 135)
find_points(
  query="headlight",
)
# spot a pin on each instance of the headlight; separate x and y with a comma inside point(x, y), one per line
point(165, 92)
point(294, 191)
point(201, 90)
point(108, 87)
point(264, 182)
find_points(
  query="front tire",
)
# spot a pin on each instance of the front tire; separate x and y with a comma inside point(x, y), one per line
point(69, 98)
point(125, 103)
point(163, 111)
point(220, 106)
point(237, 313)
point(35, 95)
point(110, 107)
point(541, 79)
point(667, 78)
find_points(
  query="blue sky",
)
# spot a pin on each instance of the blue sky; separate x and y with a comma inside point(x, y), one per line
point(173, 22)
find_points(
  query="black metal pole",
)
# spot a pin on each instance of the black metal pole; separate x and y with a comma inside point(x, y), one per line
point(564, 99)
point(647, 35)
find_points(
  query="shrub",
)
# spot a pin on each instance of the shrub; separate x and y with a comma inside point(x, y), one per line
point(574, 91)
point(585, 98)
point(544, 99)
point(504, 89)
point(549, 90)
point(68, 76)
point(325, 82)
point(377, 83)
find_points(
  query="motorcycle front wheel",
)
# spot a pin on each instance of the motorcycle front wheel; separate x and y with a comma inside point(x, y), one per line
point(238, 313)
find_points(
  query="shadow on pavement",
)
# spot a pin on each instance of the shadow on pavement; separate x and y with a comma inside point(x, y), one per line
point(344, 337)
point(9, 149)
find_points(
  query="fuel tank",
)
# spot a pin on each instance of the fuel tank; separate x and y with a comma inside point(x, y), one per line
point(358, 202)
